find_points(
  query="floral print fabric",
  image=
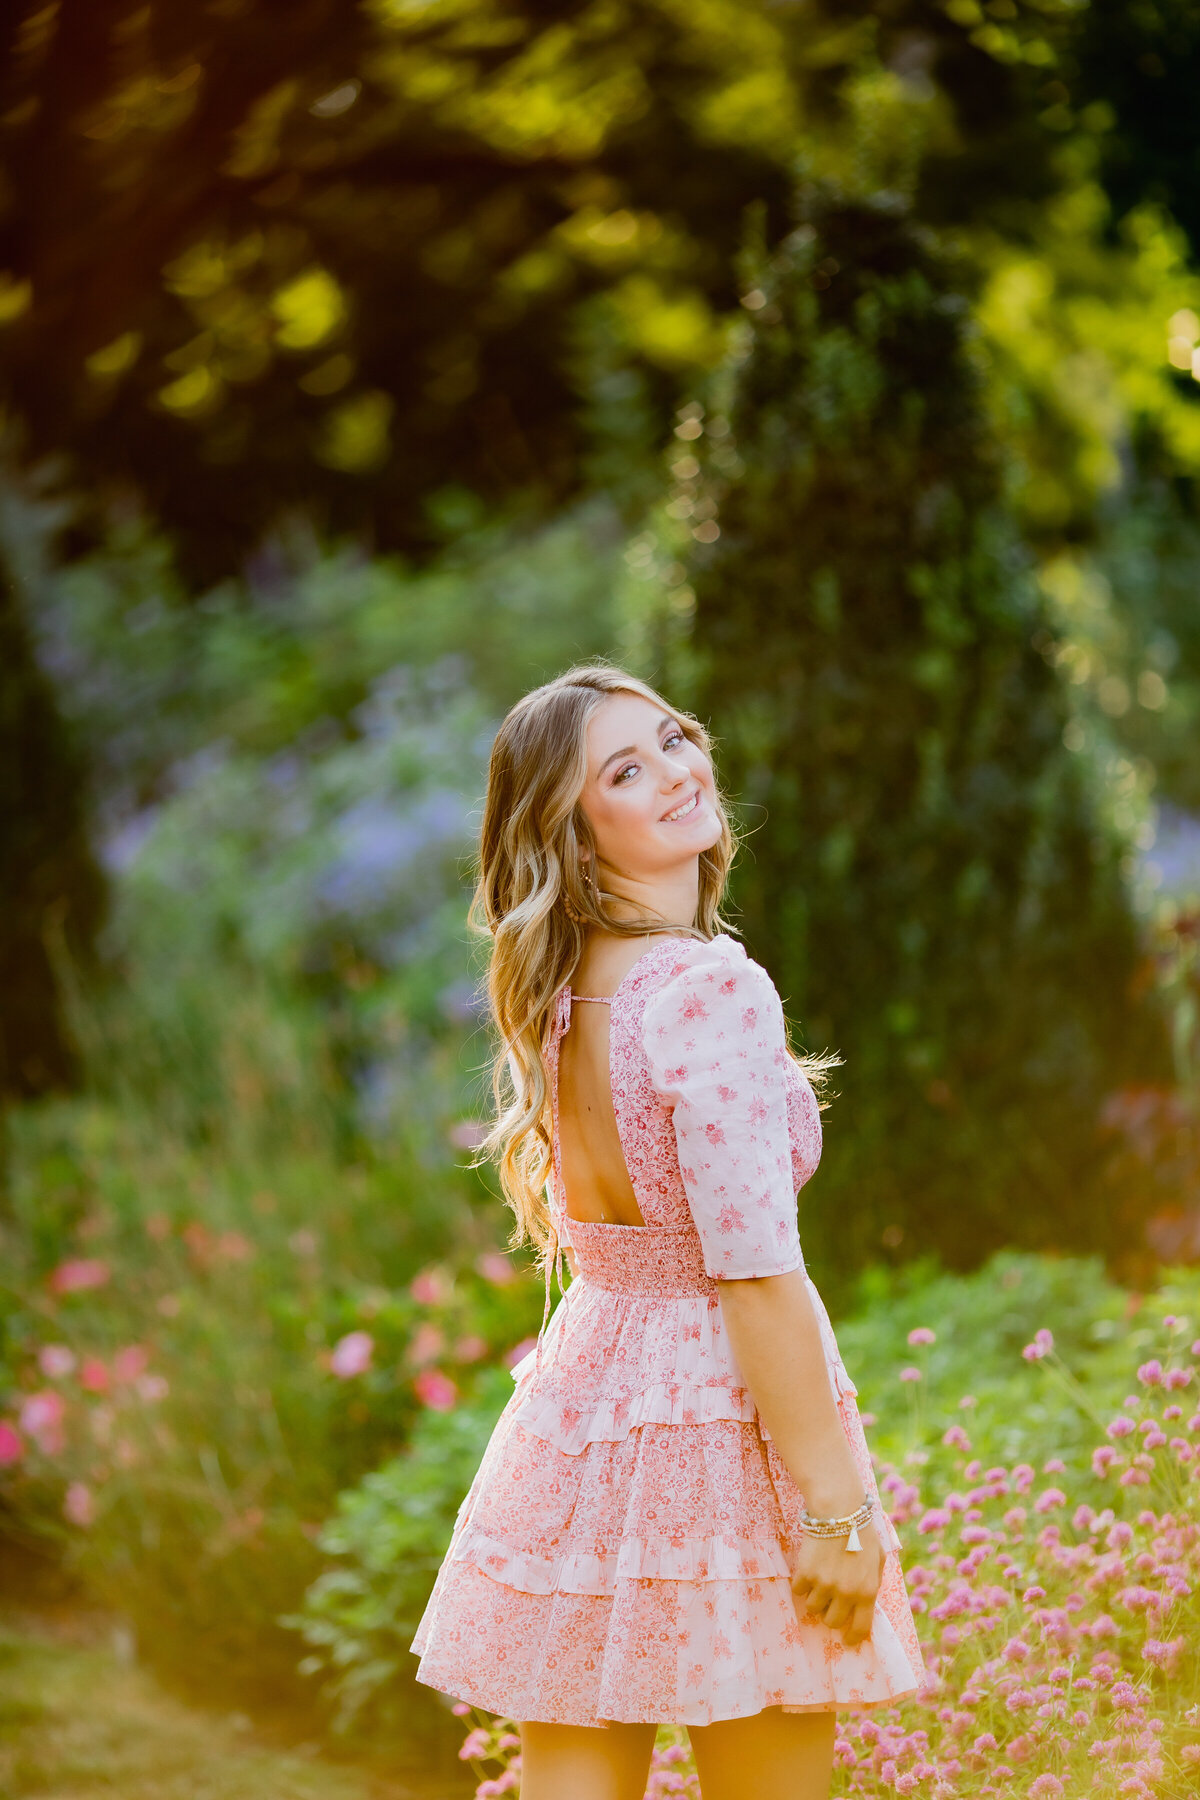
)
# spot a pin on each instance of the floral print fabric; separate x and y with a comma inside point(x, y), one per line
point(625, 1549)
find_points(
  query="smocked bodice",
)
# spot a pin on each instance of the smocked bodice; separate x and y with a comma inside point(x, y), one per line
point(718, 1125)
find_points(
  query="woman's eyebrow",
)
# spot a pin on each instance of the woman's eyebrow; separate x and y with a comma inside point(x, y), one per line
point(631, 748)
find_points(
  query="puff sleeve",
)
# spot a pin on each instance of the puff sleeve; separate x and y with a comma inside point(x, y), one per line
point(716, 1044)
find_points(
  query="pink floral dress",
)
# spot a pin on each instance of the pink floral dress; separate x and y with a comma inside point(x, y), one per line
point(625, 1548)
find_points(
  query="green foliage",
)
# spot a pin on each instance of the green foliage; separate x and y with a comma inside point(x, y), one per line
point(938, 889)
point(169, 1330)
point(52, 890)
point(389, 1535)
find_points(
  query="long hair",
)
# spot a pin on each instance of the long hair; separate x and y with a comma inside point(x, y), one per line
point(534, 903)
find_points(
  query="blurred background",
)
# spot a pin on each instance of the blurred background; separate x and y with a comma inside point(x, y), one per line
point(836, 367)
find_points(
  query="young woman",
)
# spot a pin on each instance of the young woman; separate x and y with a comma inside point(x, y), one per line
point(676, 1518)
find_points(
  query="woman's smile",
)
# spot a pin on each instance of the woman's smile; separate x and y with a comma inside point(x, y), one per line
point(682, 812)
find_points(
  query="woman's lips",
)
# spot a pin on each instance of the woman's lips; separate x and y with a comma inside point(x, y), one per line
point(681, 812)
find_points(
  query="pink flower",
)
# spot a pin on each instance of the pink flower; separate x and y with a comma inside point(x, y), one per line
point(56, 1361)
point(41, 1418)
point(494, 1268)
point(93, 1375)
point(1048, 1499)
point(430, 1287)
point(469, 1349)
point(1042, 1345)
point(352, 1355)
point(922, 1335)
point(436, 1390)
point(467, 1134)
point(1103, 1458)
point(1045, 1786)
point(955, 1438)
point(518, 1352)
point(1121, 1427)
point(153, 1387)
point(910, 1374)
point(1150, 1374)
point(131, 1362)
point(79, 1508)
point(428, 1342)
point(12, 1449)
point(1178, 1378)
point(78, 1274)
point(1165, 1655)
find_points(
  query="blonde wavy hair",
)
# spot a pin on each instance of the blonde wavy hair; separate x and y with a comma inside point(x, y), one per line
point(535, 903)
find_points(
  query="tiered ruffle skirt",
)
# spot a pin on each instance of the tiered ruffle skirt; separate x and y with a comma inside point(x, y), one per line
point(625, 1549)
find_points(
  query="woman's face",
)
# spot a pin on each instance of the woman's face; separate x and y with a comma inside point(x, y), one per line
point(649, 796)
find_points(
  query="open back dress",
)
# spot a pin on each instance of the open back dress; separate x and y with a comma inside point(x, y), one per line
point(625, 1549)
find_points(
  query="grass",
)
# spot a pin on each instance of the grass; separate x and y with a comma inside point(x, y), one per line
point(79, 1717)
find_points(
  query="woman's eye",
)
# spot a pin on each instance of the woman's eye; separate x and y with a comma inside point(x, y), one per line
point(620, 775)
point(673, 737)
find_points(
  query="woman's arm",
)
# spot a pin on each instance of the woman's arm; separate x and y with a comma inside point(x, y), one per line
point(775, 1337)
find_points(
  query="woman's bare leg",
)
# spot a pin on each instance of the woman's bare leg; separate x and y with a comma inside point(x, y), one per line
point(772, 1756)
point(585, 1762)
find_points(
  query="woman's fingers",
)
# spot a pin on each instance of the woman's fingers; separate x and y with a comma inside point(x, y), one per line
point(859, 1629)
point(839, 1612)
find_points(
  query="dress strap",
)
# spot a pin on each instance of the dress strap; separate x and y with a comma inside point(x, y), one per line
point(593, 999)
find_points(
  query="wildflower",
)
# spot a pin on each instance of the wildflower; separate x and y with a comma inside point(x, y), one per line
point(430, 1287)
point(469, 1349)
point(495, 1268)
point(153, 1387)
point(956, 1438)
point(1048, 1499)
point(352, 1355)
point(78, 1274)
point(56, 1361)
point(1164, 1655)
point(922, 1335)
point(428, 1342)
point(79, 1508)
point(1103, 1458)
point(1054, 1465)
point(1121, 1427)
point(1150, 1374)
point(93, 1375)
point(910, 1374)
point(519, 1351)
point(12, 1448)
point(131, 1362)
point(435, 1390)
point(1045, 1786)
point(41, 1418)
point(1178, 1378)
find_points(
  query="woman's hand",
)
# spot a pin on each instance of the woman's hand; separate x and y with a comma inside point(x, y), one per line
point(837, 1585)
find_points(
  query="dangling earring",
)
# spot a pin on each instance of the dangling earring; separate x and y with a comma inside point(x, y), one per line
point(585, 874)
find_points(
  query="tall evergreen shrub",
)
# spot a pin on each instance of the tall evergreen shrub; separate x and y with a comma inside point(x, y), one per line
point(936, 883)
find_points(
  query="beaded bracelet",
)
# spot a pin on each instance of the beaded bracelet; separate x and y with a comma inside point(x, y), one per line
point(839, 1527)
